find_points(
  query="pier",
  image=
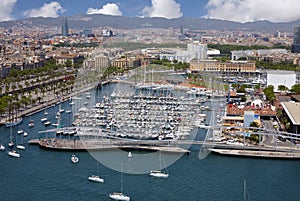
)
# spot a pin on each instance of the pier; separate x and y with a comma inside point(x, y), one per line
point(82, 145)
point(257, 153)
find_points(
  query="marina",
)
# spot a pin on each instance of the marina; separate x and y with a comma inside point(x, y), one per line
point(105, 141)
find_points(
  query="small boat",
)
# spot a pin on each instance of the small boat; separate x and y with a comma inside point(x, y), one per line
point(96, 178)
point(14, 154)
point(159, 174)
point(119, 196)
point(68, 111)
point(25, 134)
point(74, 159)
point(72, 103)
point(44, 119)
point(20, 131)
point(2, 148)
point(129, 155)
point(47, 123)
point(31, 124)
point(22, 147)
point(11, 143)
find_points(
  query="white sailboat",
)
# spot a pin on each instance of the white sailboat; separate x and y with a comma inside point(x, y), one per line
point(96, 178)
point(159, 173)
point(20, 146)
point(120, 195)
point(31, 124)
point(14, 153)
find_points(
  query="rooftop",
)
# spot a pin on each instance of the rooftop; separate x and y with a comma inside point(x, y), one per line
point(292, 109)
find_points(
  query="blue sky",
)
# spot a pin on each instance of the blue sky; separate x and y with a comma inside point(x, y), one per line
point(234, 10)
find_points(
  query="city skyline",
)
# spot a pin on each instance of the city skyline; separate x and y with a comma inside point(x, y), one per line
point(244, 10)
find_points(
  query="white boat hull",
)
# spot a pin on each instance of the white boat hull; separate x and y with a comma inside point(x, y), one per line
point(2, 148)
point(14, 154)
point(159, 174)
point(74, 159)
point(21, 147)
point(119, 196)
point(96, 179)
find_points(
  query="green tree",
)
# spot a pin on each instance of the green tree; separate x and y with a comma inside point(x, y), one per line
point(296, 88)
point(282, 88)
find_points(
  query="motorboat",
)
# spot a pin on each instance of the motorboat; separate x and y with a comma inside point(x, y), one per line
point(14, 154)
point(74, 159)
point(25, 134)
point(20, 131)
point(44, 119)
point(22, 147)
point(119, 196)
point(129, 155)
point(159, 174)
point(47, 123)
point(31, 124)
point(2, 148)
point(11, 143)
point(96, 178)
point(68, 111)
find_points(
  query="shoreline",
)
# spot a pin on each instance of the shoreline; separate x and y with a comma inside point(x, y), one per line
point(40, 107)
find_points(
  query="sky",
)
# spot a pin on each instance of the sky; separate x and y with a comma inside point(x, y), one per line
point(233, 10)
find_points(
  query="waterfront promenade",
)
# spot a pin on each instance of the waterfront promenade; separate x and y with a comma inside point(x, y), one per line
point(51, 101)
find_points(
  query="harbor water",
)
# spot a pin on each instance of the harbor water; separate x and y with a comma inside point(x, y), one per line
point(42, 174)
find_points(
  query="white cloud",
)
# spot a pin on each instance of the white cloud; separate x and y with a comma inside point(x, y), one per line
point(163, 8)
point(107, 9)
point(6, 8)
point(51, 9)
point(252, 10)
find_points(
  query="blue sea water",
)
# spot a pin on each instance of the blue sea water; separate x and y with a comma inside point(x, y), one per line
point(42, 174)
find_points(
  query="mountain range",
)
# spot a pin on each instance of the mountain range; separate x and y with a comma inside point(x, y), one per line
point(84, 21)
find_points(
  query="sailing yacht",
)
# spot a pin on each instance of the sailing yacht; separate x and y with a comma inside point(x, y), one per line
point(14, 153)
point(21, 146)
point(120, 195)
point(31, 123)
point(159, 173)
point(96, 178)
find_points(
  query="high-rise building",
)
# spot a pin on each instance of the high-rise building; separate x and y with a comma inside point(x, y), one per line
point(296, 40)
point(64, 27)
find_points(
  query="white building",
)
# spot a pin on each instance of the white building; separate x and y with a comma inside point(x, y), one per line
point(279, 77)
point(236, 54)
point(197, 51)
